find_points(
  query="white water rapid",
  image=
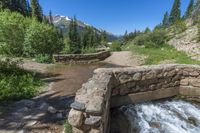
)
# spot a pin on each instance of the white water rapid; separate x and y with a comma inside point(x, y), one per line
point(174, 116)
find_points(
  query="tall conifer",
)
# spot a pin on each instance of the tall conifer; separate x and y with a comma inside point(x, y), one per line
point(175, 12)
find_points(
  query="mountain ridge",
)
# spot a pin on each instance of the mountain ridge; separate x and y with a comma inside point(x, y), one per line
point(62, 22)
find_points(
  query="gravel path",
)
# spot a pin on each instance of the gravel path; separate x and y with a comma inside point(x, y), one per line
point(125, 58)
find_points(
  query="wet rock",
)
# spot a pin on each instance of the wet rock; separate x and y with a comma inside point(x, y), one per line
point(51, 110)
point(154, 124)
point(193, 121)
point(78, 106)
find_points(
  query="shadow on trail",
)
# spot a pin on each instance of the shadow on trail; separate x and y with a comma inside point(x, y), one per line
point(48, 111)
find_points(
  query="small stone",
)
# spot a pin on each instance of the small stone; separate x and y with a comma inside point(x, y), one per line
point(59, 116)
point(137, 76)
point(52, 110)
point(31, 123)
point(78, 106)
point(75, 118)
point(92, 120)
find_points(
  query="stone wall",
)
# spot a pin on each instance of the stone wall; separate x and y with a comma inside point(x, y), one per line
point(82, 57)
point(119, 86)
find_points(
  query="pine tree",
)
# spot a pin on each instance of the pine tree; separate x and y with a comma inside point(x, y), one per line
point(146, 31)
point(5, 4)
point(74, 39)
point(190, 9)
point(175, 12)
point(104, 37)
point(36, 10)
point(50, 18)
point(29, 9)
point(24, 6)
point(126, 38)
point(165, 21)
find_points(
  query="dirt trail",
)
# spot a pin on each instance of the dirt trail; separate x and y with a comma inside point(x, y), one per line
point(125, 58)
point(47, 112)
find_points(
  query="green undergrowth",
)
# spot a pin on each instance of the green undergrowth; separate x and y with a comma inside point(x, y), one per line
point(17, 83)
point(158, 55)
point(67, 127)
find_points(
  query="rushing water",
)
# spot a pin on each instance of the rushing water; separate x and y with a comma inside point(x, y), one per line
point(174, 116)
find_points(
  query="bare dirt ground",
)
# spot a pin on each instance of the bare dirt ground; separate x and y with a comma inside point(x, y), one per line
point(125, 58)
point(47, 112)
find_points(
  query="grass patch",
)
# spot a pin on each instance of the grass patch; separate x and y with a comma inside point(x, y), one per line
point(67, 127)
point(16, 83)
point(160, 54)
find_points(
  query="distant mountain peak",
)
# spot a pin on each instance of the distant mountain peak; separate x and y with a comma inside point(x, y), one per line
point(63, 22)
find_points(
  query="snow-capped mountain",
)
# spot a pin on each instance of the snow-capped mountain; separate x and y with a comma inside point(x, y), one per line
point(63, 22)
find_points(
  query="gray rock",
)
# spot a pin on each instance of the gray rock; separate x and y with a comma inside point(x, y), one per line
point(23, 110)
point(51, 110)
point(59, 116)
point(31, 123)
point(95, 106)
point(26, 103)
point(75, 118)
point(137, 76)
point(44, 106)
point(78, 106)
point(93, 120)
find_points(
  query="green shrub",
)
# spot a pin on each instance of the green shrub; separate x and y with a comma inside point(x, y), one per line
point(43, 58)
point(88, 50)
point(43, 39)
point(179, 26)
point(16, 83)
point(12, 32)
point(141, 39)
point(67, 127)
point(151, 39)
point(115, 46)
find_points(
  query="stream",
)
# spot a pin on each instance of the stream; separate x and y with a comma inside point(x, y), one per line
point(169, 116)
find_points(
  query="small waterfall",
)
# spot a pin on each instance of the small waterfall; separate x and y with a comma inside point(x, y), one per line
point(174, 116)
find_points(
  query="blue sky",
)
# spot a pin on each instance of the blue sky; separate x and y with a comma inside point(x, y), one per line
point(115, 16)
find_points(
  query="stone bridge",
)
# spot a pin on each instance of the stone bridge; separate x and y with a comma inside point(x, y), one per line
point(110, 88)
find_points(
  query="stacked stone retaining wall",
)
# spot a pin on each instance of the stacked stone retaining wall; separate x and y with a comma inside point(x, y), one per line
point(115, 87)
point(82, 57)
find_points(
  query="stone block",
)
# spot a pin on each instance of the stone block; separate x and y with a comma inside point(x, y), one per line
point(75, 118)
point(78, 106)
point(95, 105)
point(189, 91)
point(194, 74)
point(93, 120)
point(137, 76)
point(94, 131)
point(184, 82)
point(195, 82)
point(150, 75)
point(115, 92)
